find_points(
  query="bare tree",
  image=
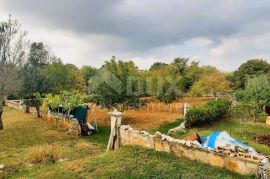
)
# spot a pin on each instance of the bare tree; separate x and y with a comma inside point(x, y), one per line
point(12, 56)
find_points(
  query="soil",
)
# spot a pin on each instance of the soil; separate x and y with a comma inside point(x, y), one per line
point(148, 117)
point(262, 139)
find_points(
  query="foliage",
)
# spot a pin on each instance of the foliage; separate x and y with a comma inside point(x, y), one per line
point(255, 96)
point(211, 111)
point(116, 85)
point(247, 70)
point(211, 84)
point(165, 85)
point(88, 72)
point(62, 77)
point(43, 154)
point(32, 80)
point(180, 65)
point(51, 101)
point(69, 100)
point(157, 65)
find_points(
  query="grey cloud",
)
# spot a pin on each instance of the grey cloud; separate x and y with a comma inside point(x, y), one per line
point(221, 33)
point(147, 24)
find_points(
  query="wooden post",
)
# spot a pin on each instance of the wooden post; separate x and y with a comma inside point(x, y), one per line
point(114, 140)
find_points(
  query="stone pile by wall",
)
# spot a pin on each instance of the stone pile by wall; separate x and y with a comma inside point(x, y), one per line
point(233, 160)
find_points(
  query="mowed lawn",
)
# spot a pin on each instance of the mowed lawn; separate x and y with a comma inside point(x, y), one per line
point(85, 157)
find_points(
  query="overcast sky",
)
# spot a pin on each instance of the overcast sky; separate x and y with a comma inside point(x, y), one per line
point(223, 33)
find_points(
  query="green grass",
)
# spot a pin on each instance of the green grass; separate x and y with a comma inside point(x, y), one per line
point(236, 128)
point(86, 157)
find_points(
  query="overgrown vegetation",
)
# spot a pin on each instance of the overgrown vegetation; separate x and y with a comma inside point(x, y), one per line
point(209, 112)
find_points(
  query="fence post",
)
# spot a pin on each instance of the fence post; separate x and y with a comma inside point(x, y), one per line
point(186, 107)
point(114, 140)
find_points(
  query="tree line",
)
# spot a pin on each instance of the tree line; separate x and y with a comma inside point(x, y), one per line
point(29, 68)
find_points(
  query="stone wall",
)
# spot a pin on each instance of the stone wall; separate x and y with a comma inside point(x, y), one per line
point(236, 161)
point(16, 104)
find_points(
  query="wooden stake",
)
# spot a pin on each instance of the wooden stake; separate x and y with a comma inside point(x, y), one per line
point(114, 139)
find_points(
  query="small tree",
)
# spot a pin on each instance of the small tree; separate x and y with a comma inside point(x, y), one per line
point(69, 101)
point(12, 56)
point(37, 102)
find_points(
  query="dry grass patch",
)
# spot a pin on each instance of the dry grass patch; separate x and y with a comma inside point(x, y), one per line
point(148, 117)
point(44, 154)
point(76, 166)
point(82, 145)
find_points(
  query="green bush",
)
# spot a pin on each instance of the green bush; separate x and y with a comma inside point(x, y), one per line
point(211, 111)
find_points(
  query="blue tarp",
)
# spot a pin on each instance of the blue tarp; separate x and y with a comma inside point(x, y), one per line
point(223, 139)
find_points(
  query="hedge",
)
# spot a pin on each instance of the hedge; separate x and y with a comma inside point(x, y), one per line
point(211, 111)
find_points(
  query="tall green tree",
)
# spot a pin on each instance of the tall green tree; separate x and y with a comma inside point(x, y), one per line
point(116, 85)
point(33, 81)
point(12, 57)
point(251, 68)
point(180, 65)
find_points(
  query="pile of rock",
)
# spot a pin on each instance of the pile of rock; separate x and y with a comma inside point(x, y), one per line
point(264, 169)
point(240, 153)
point(180, 129)
point(75, 128)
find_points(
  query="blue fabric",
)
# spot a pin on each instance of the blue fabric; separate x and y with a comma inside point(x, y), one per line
point(223, 139)
point(212, 139)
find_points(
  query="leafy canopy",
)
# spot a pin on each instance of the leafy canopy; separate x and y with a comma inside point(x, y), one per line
point(255, 96)
point(213, 84)
point(247, 70)
point(116, 85)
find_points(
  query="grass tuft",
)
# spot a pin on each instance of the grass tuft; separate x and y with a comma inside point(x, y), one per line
point(43, 154)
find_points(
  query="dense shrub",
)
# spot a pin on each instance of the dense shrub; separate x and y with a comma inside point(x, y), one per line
point(211, 111)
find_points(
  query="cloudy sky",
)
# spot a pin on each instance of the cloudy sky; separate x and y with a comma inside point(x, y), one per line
point(223, 33)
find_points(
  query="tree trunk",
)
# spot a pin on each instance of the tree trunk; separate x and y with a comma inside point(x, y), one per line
point(1, 112)
point(38, 111)
point(1, 121)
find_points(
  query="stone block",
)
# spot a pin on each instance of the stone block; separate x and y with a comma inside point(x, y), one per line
point(216, 160)
point(148, 142)
point(161, 145)
point(237, 165)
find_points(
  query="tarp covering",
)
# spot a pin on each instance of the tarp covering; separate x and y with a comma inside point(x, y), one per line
point(223, 139)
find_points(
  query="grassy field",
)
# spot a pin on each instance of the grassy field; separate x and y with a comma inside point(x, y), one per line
point(85, 157)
